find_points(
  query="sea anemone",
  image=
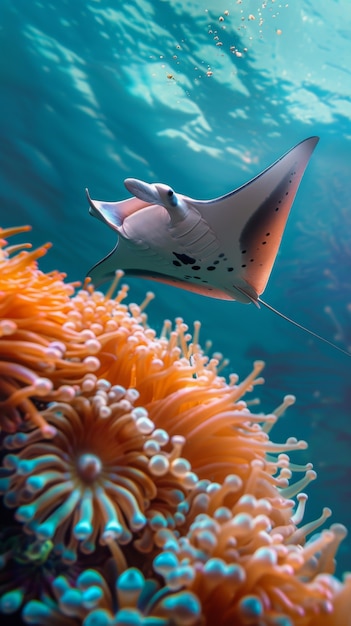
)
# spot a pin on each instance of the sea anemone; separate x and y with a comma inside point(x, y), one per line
point(104, 475)
point(124, 447)
point(26, 567)
point(129, 601)
point(238, 558)
point(39, 357)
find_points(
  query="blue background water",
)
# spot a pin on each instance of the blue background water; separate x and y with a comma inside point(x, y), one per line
point(95, 91)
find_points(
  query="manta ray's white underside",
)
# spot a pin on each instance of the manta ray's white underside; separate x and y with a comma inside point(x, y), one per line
point(223, 248)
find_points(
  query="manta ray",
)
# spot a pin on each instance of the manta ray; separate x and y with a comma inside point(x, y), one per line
point(222, 248)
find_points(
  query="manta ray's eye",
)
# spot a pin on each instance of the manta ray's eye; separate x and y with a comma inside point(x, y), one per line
point(172, 196)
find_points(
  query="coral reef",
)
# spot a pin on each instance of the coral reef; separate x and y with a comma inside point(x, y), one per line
point(138, 485)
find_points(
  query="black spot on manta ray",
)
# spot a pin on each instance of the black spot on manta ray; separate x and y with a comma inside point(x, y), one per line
point(184, 258)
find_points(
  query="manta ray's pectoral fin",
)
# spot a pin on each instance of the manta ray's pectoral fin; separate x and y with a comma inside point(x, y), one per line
point(114, 213)
point(250, 221)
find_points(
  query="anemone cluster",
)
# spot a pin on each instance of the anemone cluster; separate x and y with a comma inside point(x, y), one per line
point(137, 485)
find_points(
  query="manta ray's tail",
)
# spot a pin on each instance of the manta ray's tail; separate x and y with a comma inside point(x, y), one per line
point(306, 330)
point(257, 301)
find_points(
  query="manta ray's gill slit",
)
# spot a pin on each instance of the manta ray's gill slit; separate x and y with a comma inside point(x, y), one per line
point(195, 277)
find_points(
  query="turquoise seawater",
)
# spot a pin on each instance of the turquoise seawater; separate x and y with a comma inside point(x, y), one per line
point(201, 96)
